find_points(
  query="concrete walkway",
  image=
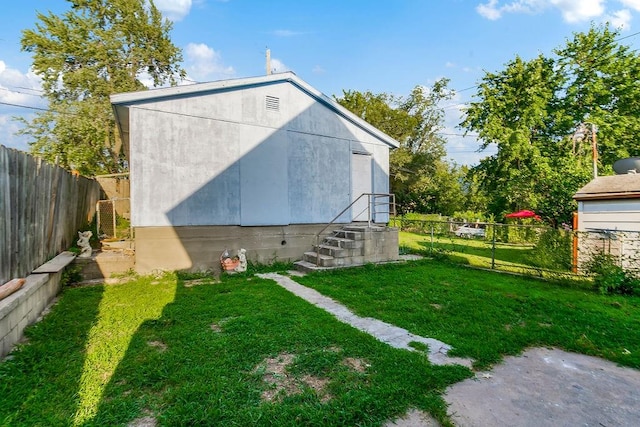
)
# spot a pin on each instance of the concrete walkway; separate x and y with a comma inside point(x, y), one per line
point(394, 336)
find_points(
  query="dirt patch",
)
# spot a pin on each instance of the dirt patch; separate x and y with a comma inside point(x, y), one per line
point(143, 422)
point(358, 365)
point(199, 282)
point(218, 327)
point(414, 418)
point(281, 383)
point(319, 386)
point(162, 347)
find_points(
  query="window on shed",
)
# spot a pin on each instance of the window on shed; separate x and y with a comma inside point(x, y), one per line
point(272, 103)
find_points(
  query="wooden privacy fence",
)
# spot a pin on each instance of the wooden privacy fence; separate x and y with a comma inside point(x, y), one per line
point(42, 207)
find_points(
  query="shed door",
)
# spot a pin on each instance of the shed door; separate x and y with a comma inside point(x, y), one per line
point(361, 182)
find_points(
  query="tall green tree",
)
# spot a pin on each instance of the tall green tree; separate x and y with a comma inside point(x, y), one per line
point(417, 168)
point(531, 111)
point(97, 48)
point(602, 87)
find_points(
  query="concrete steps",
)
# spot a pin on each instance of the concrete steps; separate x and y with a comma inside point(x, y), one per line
point(352, 245)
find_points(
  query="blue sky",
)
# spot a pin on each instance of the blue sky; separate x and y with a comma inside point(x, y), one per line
point(364, 45)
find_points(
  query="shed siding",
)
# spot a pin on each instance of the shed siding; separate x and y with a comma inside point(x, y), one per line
point(226, 159)
point(623, 215)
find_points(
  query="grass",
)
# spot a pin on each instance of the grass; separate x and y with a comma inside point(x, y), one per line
point(472, 251)
point(192, 350)
point(477, 252)
point(487, 315)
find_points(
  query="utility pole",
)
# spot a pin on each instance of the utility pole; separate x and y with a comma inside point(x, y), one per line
point(580, 135)
point(594, 149)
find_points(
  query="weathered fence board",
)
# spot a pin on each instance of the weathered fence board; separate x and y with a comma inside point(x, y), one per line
point(42, 206)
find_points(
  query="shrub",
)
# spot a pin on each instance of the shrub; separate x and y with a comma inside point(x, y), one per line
point(553, 250)
point(611, 278)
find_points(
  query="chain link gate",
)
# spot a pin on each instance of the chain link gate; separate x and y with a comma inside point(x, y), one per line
point(112, 219)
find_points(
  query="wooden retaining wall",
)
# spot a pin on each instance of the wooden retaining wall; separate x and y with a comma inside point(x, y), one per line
point(42, 206)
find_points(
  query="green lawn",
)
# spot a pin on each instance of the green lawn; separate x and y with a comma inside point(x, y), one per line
point(197, 353)
point(486, 315)
point(472, 251)
point(243, 351)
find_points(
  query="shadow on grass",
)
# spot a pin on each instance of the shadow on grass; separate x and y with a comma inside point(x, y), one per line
point(199, 364)
point(40, 380)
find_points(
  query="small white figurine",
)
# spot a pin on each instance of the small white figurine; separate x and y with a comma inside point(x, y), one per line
point(242, 257)
point(83, 243)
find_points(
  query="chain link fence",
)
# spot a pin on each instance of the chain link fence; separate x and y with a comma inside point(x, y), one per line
point(113, 219)
point(529, 249)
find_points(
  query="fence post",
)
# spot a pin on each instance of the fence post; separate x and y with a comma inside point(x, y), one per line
point(113, 215)
point(493, 247)
point(431, 236)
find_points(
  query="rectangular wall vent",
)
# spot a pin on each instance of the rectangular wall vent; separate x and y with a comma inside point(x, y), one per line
point(272, 103)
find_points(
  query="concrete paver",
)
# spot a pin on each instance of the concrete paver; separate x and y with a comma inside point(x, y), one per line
point(393, 335)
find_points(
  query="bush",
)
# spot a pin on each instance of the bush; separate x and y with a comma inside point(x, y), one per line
point(553, 250)
point(611, 278)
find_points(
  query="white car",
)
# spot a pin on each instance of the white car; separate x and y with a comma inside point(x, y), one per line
point(470, 230)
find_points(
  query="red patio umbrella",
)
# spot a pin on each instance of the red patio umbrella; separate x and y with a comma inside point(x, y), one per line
point(523, 214)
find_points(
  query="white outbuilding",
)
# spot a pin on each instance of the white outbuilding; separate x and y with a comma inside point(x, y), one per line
point(609, 219)
point(258, 163)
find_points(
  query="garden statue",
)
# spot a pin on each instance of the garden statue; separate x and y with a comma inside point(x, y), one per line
point(83, 244)
point(242, 258)
point(236, 264)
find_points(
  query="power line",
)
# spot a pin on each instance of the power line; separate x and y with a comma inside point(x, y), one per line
point(615, 40)
point(27, 106)
point(459, 134)
point(17, 91)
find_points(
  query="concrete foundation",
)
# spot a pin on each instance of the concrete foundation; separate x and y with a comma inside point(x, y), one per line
point(198, 248)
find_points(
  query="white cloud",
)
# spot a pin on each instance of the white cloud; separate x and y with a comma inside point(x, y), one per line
point(489, 10)
point(620, 19)
point(18, 89)
point(204, 64)
point(572, 10)
point(175, 10)
point(278, 66)
point(8, 132)
point(579, 10)
point(633, 4)
point(318, 70)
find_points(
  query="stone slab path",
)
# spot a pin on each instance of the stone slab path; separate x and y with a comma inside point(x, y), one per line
point(395, 336)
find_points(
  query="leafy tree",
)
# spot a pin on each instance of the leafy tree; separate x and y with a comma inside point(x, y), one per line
point(602, 88)
point(531, 111)
point(97, 48)
point(418, 172)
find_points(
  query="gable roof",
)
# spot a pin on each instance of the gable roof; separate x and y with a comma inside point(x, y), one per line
point(122, 101)
point(626, 186)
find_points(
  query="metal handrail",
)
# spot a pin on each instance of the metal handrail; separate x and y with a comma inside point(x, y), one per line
point(392, 211)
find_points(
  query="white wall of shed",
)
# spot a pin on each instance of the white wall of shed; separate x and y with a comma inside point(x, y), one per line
point(200, 160)
point(622, 214)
